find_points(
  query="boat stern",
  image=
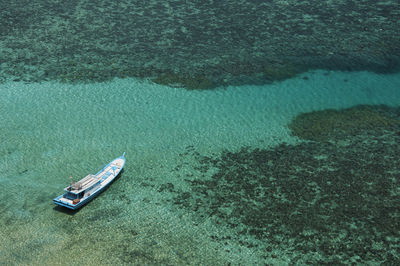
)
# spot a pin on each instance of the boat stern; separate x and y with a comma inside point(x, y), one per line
point(58, 201)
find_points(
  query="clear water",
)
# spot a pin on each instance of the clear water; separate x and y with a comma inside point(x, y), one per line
point(207, 100)
point(50, 131)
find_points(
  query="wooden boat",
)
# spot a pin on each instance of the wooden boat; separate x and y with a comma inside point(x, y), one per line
point(79, 193)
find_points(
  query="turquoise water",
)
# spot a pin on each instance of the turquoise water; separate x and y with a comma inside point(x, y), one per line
point(52, 130)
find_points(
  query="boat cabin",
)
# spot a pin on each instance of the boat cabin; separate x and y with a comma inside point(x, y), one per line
point(77, 190)
point(73, 196)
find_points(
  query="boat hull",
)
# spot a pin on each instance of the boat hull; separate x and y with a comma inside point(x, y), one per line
point(107, 175)
point(82, 202)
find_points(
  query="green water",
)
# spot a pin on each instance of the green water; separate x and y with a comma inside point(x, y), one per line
point(50, 131)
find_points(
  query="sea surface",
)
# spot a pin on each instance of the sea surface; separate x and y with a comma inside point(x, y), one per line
point(242, 151)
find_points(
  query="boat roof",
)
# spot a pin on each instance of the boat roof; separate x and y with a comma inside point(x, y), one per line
point(82, 184)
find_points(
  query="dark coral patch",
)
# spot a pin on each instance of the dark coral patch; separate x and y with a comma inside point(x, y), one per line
point(197, 82)
point(227, 42)
point(338, 200)
point(278, 73)
point(339, 124)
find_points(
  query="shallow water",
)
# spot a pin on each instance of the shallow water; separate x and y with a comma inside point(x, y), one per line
point(51, 130)
point(255, 132)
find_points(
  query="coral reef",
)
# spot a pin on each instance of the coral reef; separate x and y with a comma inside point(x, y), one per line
point(339, 124)
point(188, 82)
point(230, 42)
point(278, 73)
point(325, 202)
